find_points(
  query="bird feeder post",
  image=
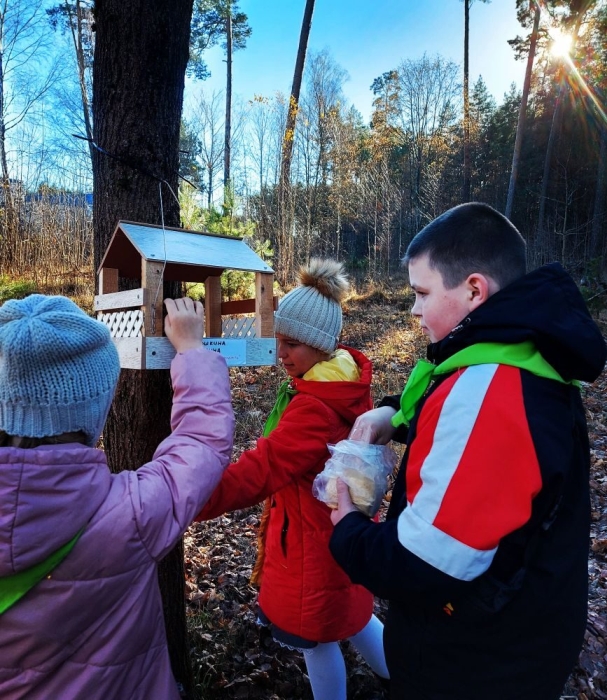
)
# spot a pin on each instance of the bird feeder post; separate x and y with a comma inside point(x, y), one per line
point(108, 280)
point(152, 283)
point(212, 307)
point(264, 305)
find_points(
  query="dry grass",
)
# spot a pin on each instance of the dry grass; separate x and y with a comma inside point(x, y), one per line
point(48, 246)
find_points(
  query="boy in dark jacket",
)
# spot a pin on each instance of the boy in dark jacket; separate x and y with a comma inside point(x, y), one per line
point(483, 555)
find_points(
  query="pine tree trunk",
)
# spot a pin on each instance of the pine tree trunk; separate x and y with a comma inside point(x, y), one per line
point(228, 124)
point(542, 234)
point(597, 240)
point(554, 128)
point(467, 162)
point(284, 234)
point(141, 51)
point(522, 114)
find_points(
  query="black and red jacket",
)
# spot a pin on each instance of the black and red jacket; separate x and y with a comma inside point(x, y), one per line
point(483, 555)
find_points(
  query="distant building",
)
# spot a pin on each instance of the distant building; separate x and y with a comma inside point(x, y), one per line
point(17, 189)
point(66, 199)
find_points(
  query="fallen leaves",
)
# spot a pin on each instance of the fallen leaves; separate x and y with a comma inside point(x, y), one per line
point(235, 658)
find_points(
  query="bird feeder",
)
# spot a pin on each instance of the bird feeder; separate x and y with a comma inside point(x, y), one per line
point(242, 331)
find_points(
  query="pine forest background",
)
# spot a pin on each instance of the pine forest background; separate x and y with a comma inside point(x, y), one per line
point(295, 175)
point(357, 190)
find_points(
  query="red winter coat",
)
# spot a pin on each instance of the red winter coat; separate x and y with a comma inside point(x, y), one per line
point(303, 590)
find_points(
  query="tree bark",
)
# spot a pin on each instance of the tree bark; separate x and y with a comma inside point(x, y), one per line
point(554, 128)
point(467, 163)
point(522, 114)
point(597, 240)
point(141, 51)
point(285, 252)
point(228, 124)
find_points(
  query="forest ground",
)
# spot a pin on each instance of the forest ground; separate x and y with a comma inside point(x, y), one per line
point(232, 656)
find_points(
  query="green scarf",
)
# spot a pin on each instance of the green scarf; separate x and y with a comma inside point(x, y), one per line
point(285, 393)
point(13, 588)
point(523, 355)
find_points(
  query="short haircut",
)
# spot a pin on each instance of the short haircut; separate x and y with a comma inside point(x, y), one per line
point(469, 238)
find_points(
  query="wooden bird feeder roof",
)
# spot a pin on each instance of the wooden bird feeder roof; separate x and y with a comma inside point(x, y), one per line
point(191, 256)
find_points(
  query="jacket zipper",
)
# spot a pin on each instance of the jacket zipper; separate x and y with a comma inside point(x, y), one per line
point(283, 534)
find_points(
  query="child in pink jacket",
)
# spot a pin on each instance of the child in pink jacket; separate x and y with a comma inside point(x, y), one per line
point(80, 608)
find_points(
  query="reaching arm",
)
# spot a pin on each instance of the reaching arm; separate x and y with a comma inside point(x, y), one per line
point(471, 432)
point(374, 426)
point(167, 492)
point(297, 446)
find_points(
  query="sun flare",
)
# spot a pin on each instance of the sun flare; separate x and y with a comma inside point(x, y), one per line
point(561, 43)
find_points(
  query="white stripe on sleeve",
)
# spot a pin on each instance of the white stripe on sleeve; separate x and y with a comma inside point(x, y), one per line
point(439, 549)
point(455, 424)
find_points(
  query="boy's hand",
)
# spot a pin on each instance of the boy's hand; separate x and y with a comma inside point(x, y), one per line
point(184, 323)
point(374, 426)
point(344, 503)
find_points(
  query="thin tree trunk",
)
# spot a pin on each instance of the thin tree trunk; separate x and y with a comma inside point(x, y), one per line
point(597, 240)
point(467, 163)
point(228, 124)
point(8, 235)
point(137, 101)
point(210, 188)
point(76, 32)
point(556, 122)
point(522, 114)
point(285, 252)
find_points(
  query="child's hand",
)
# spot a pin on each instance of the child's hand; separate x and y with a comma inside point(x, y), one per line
point(344, 503)
point(374, 426)
point(184, 323)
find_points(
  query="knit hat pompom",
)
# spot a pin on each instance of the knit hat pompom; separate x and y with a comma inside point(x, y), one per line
point(327, 276)
point(58, 369)
point(311, 313)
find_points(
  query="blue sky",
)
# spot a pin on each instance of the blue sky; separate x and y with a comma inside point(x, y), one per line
point(367, 38)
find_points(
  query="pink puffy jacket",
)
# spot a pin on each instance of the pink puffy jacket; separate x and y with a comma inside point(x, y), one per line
point(94, 629)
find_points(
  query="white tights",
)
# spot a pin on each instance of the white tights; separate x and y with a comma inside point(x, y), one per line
point(326, 667)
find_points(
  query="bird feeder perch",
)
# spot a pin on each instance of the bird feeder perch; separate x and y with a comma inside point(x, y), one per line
point(242, 331)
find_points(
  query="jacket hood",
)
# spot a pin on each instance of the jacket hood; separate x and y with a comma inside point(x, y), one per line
point(48, 495)
point(348, 399)
point(545, 307)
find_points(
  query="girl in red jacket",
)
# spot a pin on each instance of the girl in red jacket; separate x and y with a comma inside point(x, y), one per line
point(304, 597)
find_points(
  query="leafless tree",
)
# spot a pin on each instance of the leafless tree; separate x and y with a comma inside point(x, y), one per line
point(24, 81)
point(429, 101)
point(206, 120)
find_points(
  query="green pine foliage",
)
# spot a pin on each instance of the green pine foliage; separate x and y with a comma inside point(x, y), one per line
point(235, 284)
point(14, 288)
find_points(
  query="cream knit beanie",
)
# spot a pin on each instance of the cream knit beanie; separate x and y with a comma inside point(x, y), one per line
point(58, 369)
point(311, 313)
